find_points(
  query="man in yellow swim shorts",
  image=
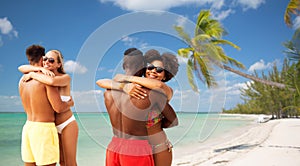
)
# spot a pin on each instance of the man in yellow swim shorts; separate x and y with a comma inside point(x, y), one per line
point(39, 136)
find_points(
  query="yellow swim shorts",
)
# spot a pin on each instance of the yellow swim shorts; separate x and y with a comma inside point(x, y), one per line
point(40, 143)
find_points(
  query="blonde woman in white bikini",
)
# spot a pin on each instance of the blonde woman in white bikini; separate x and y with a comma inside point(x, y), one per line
point(52, 73)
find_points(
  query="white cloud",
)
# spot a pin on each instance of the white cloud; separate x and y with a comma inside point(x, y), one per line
point(217, 4)
point(221, 15)
point(10, 104)
point(242, 85)
point(86, 97)
point(111, 70)
point(129, 41)
point(101, 69)
point(76, 67)
point(133, 42)
point(6, 27)
point(297, 22)
point(250, 4)
point(233, 92)
point(182, 60)
point(85, 101)
point(138, 5)
point(230, 74)
point(88, 101)
point(181, 21)
point(259, 66)
point(185, 100)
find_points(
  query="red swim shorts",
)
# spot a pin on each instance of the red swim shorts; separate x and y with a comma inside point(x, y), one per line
point(126, 152)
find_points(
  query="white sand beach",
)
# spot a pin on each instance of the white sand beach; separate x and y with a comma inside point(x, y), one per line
point(275, 143)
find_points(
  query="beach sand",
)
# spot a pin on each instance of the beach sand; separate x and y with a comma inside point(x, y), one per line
point(275, 143)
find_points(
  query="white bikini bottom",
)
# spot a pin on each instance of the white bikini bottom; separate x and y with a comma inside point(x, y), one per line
point(63, 125)
point(65, 98)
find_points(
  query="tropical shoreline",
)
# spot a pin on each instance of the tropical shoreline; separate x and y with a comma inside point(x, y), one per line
point(246, 145)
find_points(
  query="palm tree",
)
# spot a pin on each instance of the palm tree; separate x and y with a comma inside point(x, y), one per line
point(292, 8)
point(204, 52)
point(292, 51)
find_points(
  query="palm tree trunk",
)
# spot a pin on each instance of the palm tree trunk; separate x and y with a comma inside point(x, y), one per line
point(251, 77)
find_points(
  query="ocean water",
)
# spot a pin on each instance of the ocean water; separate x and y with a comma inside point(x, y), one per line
point(95, 134)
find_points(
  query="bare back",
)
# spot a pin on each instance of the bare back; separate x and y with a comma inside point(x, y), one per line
point(128, 115)
point(35, 101)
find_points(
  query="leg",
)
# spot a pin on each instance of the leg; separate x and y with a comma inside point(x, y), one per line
point(54, 164)
point(61, 152)
point(69, 137)
point(33, 164)
point(163, 158)
point(29, 164)
point(161, 153)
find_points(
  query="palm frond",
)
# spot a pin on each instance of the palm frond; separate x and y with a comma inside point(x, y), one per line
point(202, 38)
point(293, 7)
point(206, 25)
point(210, 51)
point(293, 52)
point(225, 42)
point(183, 34)
point(214, 29)
point(204, 70)
point(235, 63)
point(202, 17)
point(227, 59)
point(185, 52)
point(190, 75)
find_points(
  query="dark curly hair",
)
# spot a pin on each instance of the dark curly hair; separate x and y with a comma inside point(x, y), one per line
point(169, 60)
point(171, 65)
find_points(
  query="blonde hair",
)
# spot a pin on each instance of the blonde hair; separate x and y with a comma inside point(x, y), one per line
point(60, 59)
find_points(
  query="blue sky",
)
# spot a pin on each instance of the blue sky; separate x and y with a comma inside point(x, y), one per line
point(92, 35)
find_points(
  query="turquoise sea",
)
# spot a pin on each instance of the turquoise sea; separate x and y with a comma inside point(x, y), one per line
point(95, 133)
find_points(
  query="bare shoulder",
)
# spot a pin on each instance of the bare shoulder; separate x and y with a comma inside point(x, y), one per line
point(107, 94)
point(64, 76)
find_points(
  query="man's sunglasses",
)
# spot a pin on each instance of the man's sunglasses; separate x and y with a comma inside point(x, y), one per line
point(50, 60)
point(158, 69)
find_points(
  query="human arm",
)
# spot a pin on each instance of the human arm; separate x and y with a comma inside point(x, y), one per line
point(170, 118)
point(61, 80)
point(54, 98)
point(110, 84)
point(146, 82)
point(29, 68)
point(129, 88)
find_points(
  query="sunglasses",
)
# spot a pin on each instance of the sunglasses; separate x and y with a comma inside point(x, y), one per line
point(158, 69)
point(50, 60)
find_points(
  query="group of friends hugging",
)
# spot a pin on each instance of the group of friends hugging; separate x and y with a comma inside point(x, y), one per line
point(137, 103)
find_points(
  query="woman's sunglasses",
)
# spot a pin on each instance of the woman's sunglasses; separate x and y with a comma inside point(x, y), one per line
point(158, 69)
point(50, 60)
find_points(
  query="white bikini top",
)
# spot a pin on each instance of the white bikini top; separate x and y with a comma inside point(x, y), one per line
point(65, 98)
